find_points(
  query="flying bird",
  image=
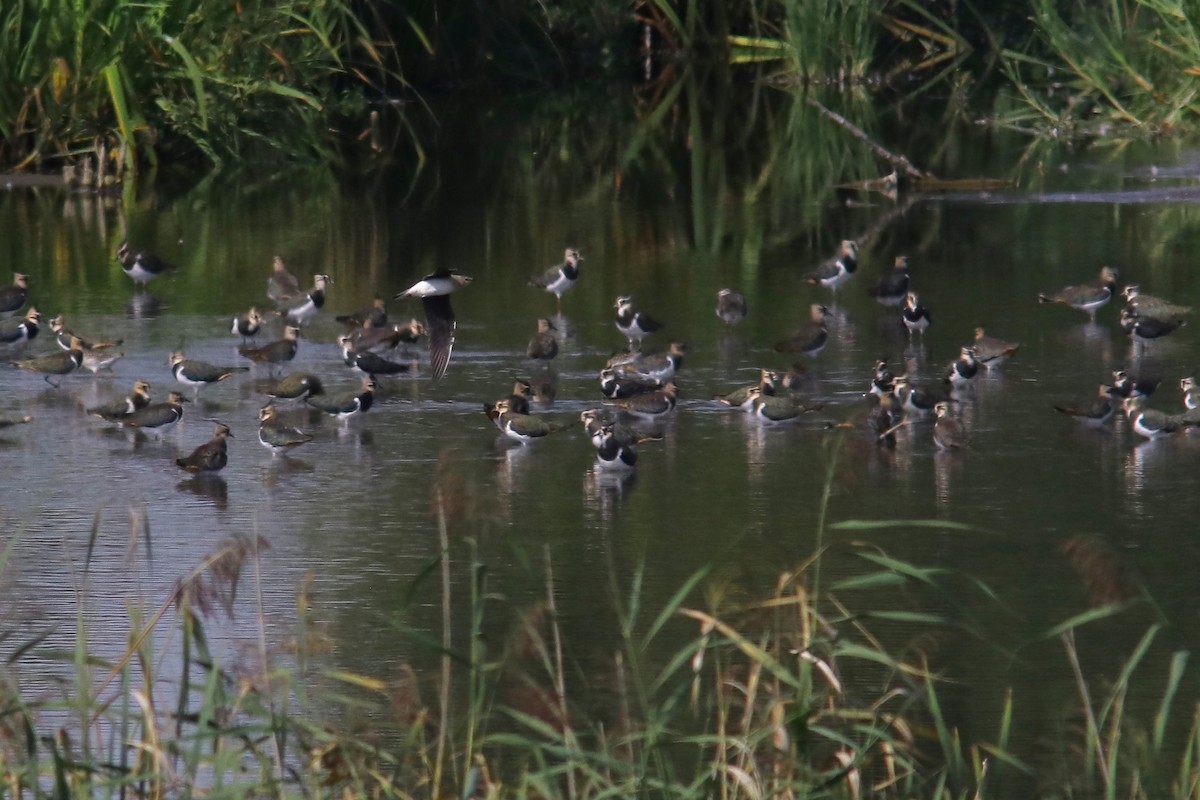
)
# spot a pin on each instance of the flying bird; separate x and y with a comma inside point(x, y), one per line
point(434, 290)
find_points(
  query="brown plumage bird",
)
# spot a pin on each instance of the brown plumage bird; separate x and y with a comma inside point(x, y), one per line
point(543, 346)
point(210, 456)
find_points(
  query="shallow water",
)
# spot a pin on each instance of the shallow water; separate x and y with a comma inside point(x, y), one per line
point(353, 506)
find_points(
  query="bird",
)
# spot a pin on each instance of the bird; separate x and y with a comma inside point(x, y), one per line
point(1191, 392)
point(119, 409)
point(768, 381)
point(98, 358)
point(1152, 423)
point(1144, 305)
point(595, 419)
point(731, 307)
point(373, 316)
point(281, 285)
point(518, 401)
point(17, 331)
point(618, 384)
point(892, 288)
point(247, 325)
point(211, 456)
point(796, 379)
point(611, 452)
point(650, 404)
point(303, 308)
point(990, 351)
point(14, 296)
point(61, 363)
point(883, 418)
point(276, 352)
point(659, 367)
point(838, 270)
point(367, 362)
point(295, 386)
point(1094, 412)
point(633, 324)
point(434, 290)
point(884, 382)
point(277, 435)
point(1086, 298)
point(159, 418)
point(775, 408)
point(948, 433)
point(140, 265)
point(63, 336)
point(523, 428)
point(915, 402)
point(543, 346)
point(343, 406)
point(557, 280)
point(963, 369)
point(1125, 385)
point(195, 373)
point(810, 338)
point(1143, 330)
point(386, 338)
point(9, 420)
point(916, 316)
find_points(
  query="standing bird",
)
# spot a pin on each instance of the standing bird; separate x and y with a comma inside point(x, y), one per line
point(1124, 385)
point(1144, 305)
point(119, 409)
point(656, 367)
point(374, 316)
point(963, 369)
point(195, 373)
point(892, 288)
point(98, 358)
point(557, 280)
point(159, 418)
point(387, 338)
point(247, 325)
point(656, 403)
point(276, 352)
point(742, 398)
point(369, 363)
point(1143, 330)
point(14, 296)
point(60, 363)
point(303, 308)
point(633, 324)
point(277, 435)
point(344, 406)
point(1086, 298)
point(17, 331)
point(837, 271)
point(141, 266)
point(434, 290)
point(296, 386)
point(990, 351)
point(884, 382)
point(518, 402)
point(281, 285)
point(915, 402)
point(611, 452)
point(64, 336)
point(523, 428)
point(948, 433)
point(811, 338)
point(731, 307)
point(543, 346)
point(210, 456)
point(1151, 423)
point(916, 316)
point(1095, 412)
point(616, 383)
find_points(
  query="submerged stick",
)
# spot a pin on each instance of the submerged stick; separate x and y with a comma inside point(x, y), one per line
point(898, 160)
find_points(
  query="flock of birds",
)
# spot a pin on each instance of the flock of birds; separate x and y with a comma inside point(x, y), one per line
point(637, 386)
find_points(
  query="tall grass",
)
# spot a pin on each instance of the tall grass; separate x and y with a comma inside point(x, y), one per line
point(230, 81)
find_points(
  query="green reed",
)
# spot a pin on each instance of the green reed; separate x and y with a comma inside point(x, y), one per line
point(131, 81)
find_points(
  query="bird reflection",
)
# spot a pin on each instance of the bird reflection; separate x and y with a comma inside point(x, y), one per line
point(514, 459)
point(604, 489)
point(282, 465)
point(210, 487)
point(731, 349)
point(945, 464)
point(143, 305)
point(1141, 459)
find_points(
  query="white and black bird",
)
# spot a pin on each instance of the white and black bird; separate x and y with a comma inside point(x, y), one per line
point(158, 418)
point(140, 265)
point(277, 435)
point(247, 325)
point(963, 369)
point(434, 290)
point(837, 270)
point(557, 280)
point(1086, 298)
point(916, 317)
point(303, 308)
point(344, 406)
point(1152, 423)
point(633, 324)
point(367, 362)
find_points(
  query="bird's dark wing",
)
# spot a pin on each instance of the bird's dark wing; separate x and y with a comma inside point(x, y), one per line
point(439, 319)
